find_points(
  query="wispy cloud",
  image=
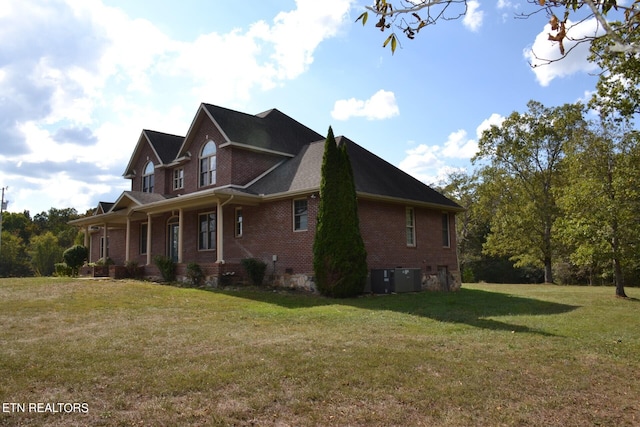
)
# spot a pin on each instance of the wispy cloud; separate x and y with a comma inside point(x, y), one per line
point(80, 79)
point(431, 163)
point(474, 16)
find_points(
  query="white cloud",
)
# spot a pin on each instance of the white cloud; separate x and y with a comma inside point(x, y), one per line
point(474, 17)
point(543, 50)
point(382, 105)
point(83, 64)
point(431, 163)
point(495, 119)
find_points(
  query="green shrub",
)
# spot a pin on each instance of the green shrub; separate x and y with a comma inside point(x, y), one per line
point(133, 269)
point(339, 254)
point(74, 258)
point(104, 262)
point(62, 269)
point(255, 269)
point(167, 267)
point(195, 274)
point(468, 276)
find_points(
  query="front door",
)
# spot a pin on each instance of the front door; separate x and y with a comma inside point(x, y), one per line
point(174, 228)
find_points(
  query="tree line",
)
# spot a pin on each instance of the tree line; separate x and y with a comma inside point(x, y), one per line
point(33, 245)
point(555, 198)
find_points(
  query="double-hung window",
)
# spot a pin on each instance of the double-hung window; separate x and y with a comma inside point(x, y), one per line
point(410, 224)
point(446, 236)
point(208, 164)
point(207, 231)
point(178, 178)
point(300, 215)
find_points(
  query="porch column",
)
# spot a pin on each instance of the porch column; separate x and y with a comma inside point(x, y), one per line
point(126, 240)
point(148, 239)
point(105, 245)
point(219, 233)
point(180, 234)
point(87, 242)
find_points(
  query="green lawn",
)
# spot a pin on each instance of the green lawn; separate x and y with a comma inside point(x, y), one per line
point(138, 353)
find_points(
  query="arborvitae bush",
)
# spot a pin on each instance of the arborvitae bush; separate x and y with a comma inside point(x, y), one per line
point(167, 267)
point(339, 255)
point(255, 269)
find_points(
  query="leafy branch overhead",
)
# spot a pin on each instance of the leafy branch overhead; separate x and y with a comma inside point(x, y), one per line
point(409, 17)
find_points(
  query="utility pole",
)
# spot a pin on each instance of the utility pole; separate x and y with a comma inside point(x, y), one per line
point(3, 207)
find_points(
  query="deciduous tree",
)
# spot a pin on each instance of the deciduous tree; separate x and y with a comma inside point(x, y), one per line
point(600, 201)
point(410, 17)
point(525, 155)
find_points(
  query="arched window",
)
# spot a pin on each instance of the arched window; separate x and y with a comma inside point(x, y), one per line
point(208, 164)
point(147, 178)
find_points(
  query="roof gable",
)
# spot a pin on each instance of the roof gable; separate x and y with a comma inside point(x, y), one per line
point(135, 198)
point(165, 147)
point(270, 131)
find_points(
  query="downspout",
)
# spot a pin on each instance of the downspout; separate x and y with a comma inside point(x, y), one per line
point(219, 229)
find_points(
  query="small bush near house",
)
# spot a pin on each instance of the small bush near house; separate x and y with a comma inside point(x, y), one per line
point(167, 268)
point(255, 269)
point(74, 258)
point(62, 269)
point(195, 274)
point(102, 262)
point(133, 269)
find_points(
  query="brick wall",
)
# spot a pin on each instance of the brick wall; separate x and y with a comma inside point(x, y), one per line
point(161, 181)
point(268, 230)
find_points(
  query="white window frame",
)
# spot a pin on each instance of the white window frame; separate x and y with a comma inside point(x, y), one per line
point(178, 178)
point(104, 250)
point(148, 178)
point(410, 226)
point(446, 230)
point(210, 244)
point(299, 227)
point(207, 177)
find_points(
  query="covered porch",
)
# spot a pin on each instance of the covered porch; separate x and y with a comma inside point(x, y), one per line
point(140, 226)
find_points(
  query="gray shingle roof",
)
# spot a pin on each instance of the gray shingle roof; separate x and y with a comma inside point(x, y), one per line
point(270, 130)
point(166, 145)
point(372, 175)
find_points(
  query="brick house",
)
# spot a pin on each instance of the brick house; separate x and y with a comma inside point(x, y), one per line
point(247, 186)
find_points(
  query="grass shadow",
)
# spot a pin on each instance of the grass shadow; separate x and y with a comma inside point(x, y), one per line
point(468, 306)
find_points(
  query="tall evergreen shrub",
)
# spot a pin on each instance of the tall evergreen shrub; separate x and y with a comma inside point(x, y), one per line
point(339, 256)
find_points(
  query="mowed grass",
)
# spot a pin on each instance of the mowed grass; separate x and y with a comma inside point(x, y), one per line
point(490, 355)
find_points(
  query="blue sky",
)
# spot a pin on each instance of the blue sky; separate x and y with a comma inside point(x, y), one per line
point(80, 79)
